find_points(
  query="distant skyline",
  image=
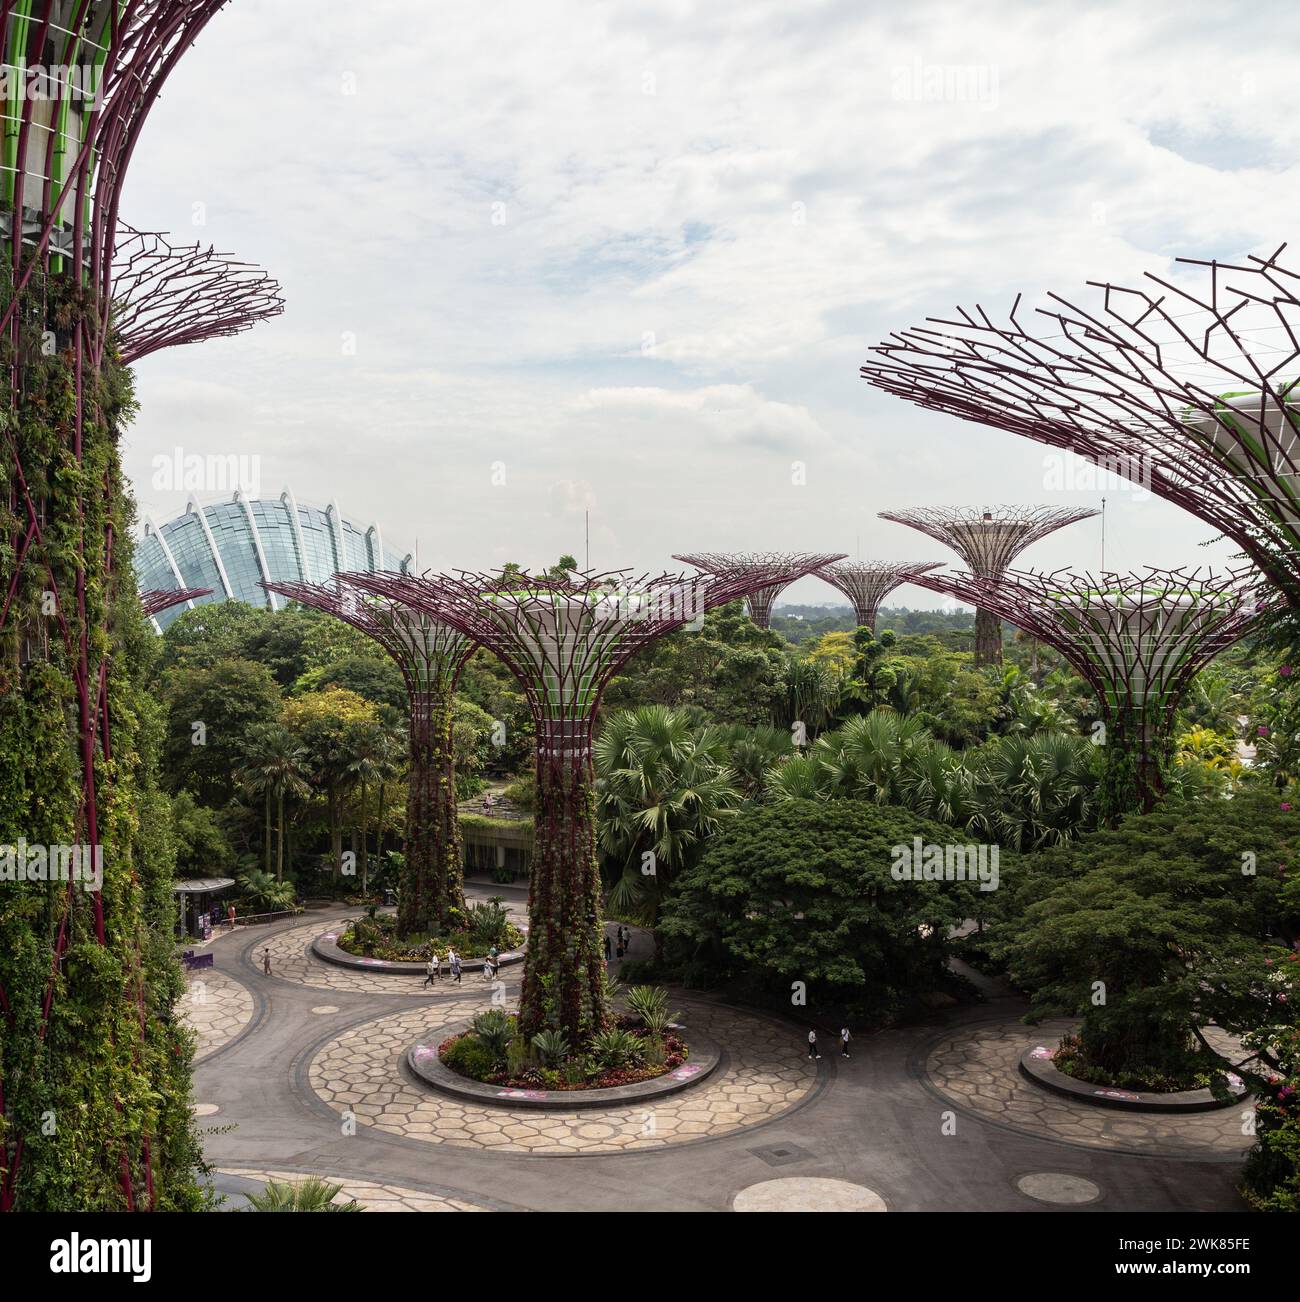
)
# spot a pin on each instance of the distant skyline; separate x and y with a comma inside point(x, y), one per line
point(540, 260)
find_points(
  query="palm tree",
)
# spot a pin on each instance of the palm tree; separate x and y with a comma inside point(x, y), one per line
point(1038, 791)
point(812, 692)
point(865, 757)
point(311, 1195)
point(1213, 702)
point(390, 758)
point(801, 777)
point(276, 767)
point(264, 892)
point(751, 752)
point(936, 781)
point(662, 787)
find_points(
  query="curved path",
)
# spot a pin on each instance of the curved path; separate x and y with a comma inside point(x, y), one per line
point(307, 1078)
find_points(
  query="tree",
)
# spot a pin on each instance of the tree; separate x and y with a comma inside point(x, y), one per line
point(1122, 926)
point(377, 678)
point(663, 788)
point(803, 896)
point(331, 727)
point(276, 766)
point(202, 849)
point(211, 713)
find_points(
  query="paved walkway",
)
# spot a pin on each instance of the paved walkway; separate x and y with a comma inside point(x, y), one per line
point(303, 1074)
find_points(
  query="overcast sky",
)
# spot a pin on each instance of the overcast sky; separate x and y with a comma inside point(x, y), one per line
point(629, 257)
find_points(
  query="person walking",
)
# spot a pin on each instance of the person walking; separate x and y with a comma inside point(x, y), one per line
point(266, 962)
point(454, 960)
point(844, 1041)
point(609, 948)
point(812, 1044)
point(230, 917)
point(429, 969)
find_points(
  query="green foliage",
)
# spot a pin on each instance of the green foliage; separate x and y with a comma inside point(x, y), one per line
point(551, 1047)
point(663, 788)
point(493, 1029)
point(311, 1195)
point(202, 848)
point(1161, 913)
point(729, 668)
point(615, 1048)
point(112, 1061)
point(803, 892)
point(650, 1004)
point(263, 894)
point(469, 1056)
point(222, 704)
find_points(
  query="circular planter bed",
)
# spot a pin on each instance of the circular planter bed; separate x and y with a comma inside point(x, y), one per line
point(424, 1063)
point(1036, 1065)
point(326, 946)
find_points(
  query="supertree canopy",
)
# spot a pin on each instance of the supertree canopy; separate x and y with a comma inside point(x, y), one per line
point(1185, 386)
point(1137, 639)
point(94, 1063)
point(988, 539)
point(430, 656)
point(867, 583)
point(564, 637)
point(164, 296)
point(155, 599)
point(761, 597)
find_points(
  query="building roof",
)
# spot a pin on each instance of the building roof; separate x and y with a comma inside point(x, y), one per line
point(232, 546)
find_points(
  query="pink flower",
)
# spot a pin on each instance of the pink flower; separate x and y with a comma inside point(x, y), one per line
point(1286, 806)
point(1261, 731)
point(1285, 671)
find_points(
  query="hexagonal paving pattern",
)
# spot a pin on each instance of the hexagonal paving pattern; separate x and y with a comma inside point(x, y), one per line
point(978, 1068)
point(372, 1197)
point(292, 960)
point(216, 1007)
point(766, 1074)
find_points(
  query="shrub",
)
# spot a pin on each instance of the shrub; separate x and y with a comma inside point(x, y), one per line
point(552, 1046)
point(469, 1057)
point(650, 1004)
point(489, 924)
point(616, 1048)
point(312, 1195)
point(493, 1030)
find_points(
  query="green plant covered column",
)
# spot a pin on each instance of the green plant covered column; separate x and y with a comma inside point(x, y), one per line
point(564, 969)
point(433, 875)
point(94, 1063)
point(1135, 760)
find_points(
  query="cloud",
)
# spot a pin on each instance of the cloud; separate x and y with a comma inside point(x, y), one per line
point(641, 251)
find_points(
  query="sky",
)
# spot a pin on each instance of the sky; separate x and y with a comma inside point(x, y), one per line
point(626, 259)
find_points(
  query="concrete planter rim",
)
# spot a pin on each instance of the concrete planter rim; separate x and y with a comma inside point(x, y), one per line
point(423, 1062)
point(1036, 1066)
point(325, 946)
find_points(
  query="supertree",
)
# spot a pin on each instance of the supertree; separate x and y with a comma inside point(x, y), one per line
point(155, 599)
point(430, 656)
point(988, 539)
point(87, 982)
point(1185, 387)
point(1138, 639)
point(867, 583)
point(165, 295)
point(564, 637)
point(759, 597)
